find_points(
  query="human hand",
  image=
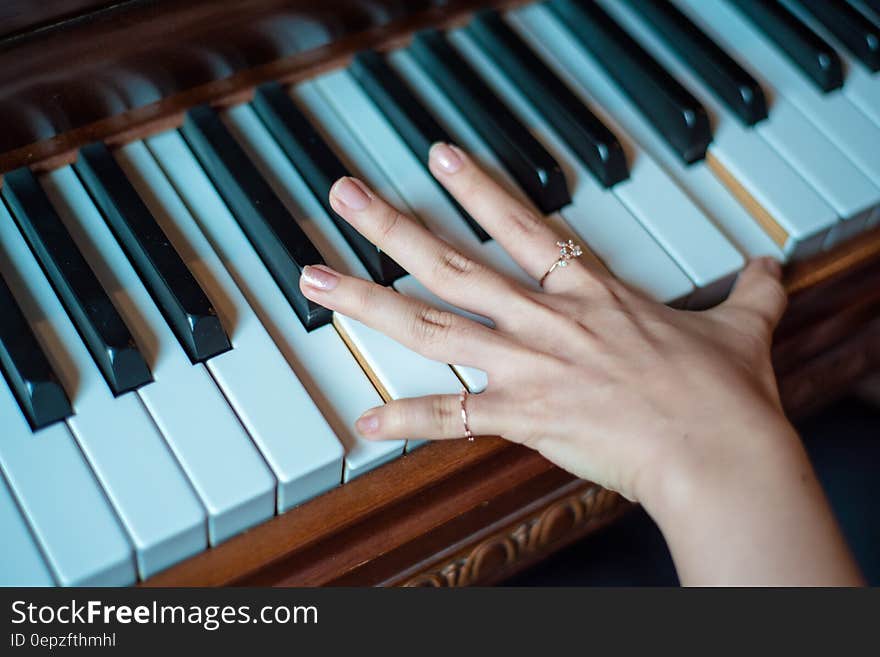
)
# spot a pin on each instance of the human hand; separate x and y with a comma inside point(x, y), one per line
point(602, 381)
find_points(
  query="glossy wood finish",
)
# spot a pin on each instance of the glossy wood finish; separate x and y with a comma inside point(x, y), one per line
point(447, 514)
point(146, 61)
point(21, 18)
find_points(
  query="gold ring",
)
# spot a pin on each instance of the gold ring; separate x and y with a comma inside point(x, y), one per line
point(462, 398)
point(567, 251)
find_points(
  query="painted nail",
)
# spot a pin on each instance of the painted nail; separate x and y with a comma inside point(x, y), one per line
point(351, 193)
point(320, 277)
point(368, 423)
point(446, 157)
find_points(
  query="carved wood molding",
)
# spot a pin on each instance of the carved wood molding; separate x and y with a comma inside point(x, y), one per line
point(525, 541)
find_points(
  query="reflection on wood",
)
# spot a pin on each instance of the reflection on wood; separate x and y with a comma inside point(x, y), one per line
point(136, 55)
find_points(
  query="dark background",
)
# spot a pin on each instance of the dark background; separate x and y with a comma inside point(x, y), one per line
point(844, 443)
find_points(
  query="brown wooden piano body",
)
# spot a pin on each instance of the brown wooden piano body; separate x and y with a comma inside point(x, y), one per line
point(450, 514)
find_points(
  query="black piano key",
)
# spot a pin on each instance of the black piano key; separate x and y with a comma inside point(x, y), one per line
point(852, 28)
point(727, 79)
point(806, 49)
point(34, 383)
point(668, 106)
point(872, 5)
point(176, 292)
point(320, 168)
point(89, 306)
point(525, 158)
point(595, 145)
point(406, 113)
point(275, 234)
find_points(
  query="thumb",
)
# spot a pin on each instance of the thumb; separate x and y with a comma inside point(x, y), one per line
point(759, 291)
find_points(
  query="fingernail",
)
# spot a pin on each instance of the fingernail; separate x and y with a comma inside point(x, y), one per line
point(321, 278)
point(772, 266)
point(351, 192)
point(368, 423)
point(445, 157)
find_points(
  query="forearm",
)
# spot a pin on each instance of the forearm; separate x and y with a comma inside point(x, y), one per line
point(758, 516)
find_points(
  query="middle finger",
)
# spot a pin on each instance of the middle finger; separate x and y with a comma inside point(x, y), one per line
point(442, 269)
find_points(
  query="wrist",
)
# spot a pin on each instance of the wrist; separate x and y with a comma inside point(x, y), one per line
point(707, 473)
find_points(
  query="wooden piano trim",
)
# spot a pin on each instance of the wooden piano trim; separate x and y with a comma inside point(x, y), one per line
point(458, 513)
point(138, 122)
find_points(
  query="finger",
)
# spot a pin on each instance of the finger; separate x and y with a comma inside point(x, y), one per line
point(759, 291)
point(516, 226)
point(436, 417)
point(436, 334)
point(442, 269)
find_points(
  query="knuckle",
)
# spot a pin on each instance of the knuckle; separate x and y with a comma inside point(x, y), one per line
point(556, 315)
point(776, 300)
point(606, 290)
point(366, 297)
point(523, 221)
point(431, 325)
point(777, 291)
point(453, 265)
point(389, 222)
point(442, 413)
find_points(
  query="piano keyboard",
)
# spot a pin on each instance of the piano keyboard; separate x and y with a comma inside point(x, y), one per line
point(166, 386)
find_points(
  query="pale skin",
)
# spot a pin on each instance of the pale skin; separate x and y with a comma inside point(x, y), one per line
point(676, 410)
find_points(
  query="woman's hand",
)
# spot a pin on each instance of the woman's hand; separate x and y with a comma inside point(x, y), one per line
point(665, 406)
point(605, 383)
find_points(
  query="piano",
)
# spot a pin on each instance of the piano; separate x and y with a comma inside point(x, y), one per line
point(174, 412)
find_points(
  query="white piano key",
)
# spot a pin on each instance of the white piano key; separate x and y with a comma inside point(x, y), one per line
point(850, 130)
point(145, 484)
point(320, 358)
point(71, 518)
point(860, 85)
point(401, 372)
point(417, 188)
point(475, 379)
point(806, 149)
point(847, 190)
point(216, 453)
point(309, 98)
point(281, 174)
point(414, 184)
point(692, 240)
point(596, 215)
point(22, 563)
point(389, 361)
point(808, 215)
point(74, 524)
point(457, 124)
point(453, 121)
point(277, 411)
point(419, 191)
point(449, 116)
point(847, 195)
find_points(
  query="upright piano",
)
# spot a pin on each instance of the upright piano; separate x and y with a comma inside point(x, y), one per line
point(174, 412)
